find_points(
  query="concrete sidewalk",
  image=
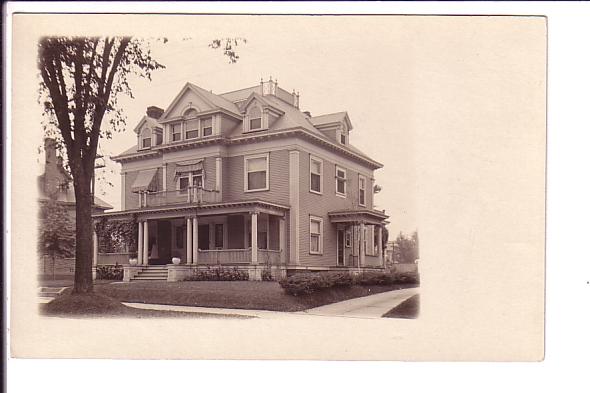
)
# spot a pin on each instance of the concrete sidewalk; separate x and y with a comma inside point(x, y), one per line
point(373, 306)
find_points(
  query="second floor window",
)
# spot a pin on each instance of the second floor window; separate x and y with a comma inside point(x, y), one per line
point(256, 173)
point(194, 179)
point(176, 132)
point(207, 125)
point(315, 174)
point(362, 190)
point(340, 181)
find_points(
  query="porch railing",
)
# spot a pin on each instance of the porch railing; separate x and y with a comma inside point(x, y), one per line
point(222, 257)
point(269, 257)
point(174, 197)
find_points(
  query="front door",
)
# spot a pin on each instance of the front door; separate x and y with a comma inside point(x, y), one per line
point(164, 243)
point(340, 247)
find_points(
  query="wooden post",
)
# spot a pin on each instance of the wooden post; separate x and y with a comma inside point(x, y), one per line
point(140, 244)
point(195, 240)
point(146, 242)
point(254, 234)
point(189, 241)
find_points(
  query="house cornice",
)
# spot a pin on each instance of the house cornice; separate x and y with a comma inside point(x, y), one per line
point(250, 138)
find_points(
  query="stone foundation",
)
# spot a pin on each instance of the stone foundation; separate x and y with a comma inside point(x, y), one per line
point(130, 271)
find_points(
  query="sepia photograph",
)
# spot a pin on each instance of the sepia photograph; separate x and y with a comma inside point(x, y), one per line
point(320, 187)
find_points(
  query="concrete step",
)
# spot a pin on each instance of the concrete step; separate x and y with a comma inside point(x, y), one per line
point(149, 278)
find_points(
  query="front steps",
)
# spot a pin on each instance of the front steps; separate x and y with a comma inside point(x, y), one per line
point(152, 273)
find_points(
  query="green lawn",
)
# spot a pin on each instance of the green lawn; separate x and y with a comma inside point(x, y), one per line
point(255, 295)
point(407, 309)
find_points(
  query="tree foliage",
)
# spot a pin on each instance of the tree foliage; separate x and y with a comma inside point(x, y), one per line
point(405, 248)
point(117, 235)
point(82, 79)
point(56, 235)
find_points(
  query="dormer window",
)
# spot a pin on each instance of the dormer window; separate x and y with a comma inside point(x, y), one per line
point(175, 130)
point(207, 125)
point(146, 139)
point(255, 118)
point(343, 138)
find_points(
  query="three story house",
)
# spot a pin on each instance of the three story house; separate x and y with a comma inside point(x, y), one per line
point(246, 179)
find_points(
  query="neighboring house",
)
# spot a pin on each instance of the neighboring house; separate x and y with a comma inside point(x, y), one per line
point(246, 179)
point(56, 184)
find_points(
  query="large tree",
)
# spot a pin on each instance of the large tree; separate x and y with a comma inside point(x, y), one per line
point(81, 80)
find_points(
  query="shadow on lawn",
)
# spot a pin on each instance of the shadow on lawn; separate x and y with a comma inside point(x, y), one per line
point(408, 309)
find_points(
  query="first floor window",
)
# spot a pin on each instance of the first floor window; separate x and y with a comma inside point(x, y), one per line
point(340, 181)
point(256, 176)
point(315, 235)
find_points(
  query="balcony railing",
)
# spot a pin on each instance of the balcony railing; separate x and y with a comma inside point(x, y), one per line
point(175, 197)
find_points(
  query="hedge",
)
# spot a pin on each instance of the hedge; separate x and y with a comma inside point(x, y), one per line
point(219, 274)
point(109, 272)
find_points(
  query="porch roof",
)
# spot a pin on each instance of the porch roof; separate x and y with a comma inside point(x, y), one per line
point(358, 215)
point(204, 209)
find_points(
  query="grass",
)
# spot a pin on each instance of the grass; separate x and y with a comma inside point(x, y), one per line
point(407, 309)
point(254, 295)
point(99, 305)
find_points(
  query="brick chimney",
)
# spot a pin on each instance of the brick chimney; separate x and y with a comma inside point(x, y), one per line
point(154, 112)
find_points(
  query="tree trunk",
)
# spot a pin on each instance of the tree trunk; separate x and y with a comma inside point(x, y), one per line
point(53, 267)
point(83, 269)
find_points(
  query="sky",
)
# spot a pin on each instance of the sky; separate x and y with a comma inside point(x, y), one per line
point(336, 64)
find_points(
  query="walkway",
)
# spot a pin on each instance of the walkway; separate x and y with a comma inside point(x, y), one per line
point(373, 306)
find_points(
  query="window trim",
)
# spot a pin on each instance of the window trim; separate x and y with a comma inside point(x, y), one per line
point(254, 156)
point(320, 220)
point(172, 133)
point(201, 121)
point(250, 123)
point(339, 168)
point(190, 176)
point(321, 162)
point(363, 177)
point(343, 135)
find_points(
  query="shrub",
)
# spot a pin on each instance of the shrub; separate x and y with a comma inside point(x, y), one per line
point(266, 275)
point(219, 274)
point(374, 278)
point(307, 283)
point(406, 278)
point(109, 272)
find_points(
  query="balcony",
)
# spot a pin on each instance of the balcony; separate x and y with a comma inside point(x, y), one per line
point(196, 195)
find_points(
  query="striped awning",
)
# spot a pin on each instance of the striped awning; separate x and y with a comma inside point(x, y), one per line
point(145, 181)
point(188, 166)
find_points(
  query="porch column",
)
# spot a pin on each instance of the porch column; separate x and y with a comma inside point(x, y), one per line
point(146, 242)
point(164, 178)
point(195, 240)
point(380, 245)
point(140, 243)
point(218, 177)
point(362, 244)
point(140, 203)
point(282, 240)
point(254, 233)
point(189, 241)
point(94, 253)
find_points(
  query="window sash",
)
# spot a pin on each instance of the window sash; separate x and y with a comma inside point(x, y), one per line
point(362, 190)
point(192, 134)
point(192, 125)
point(315, 175)
point(256, 123)
point(207, 126)
point(340, 181)
point(146, 142)
point(176, 132)
point(315, 235)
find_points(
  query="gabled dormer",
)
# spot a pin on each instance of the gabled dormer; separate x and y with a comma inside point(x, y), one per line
point(195, 114)
point(149, 131)
point(259, 114)
point(336, 126)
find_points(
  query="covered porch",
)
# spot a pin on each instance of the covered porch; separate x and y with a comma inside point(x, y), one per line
point(246, 235)
point(359, 237)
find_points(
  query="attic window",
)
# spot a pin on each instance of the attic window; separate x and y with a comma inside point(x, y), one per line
point(191, 124)
point(255, 115)
point(343, 138)
point(256, 123)
point(159, 137)
point(207, 125)
point(175, 130)
point(146, 142)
